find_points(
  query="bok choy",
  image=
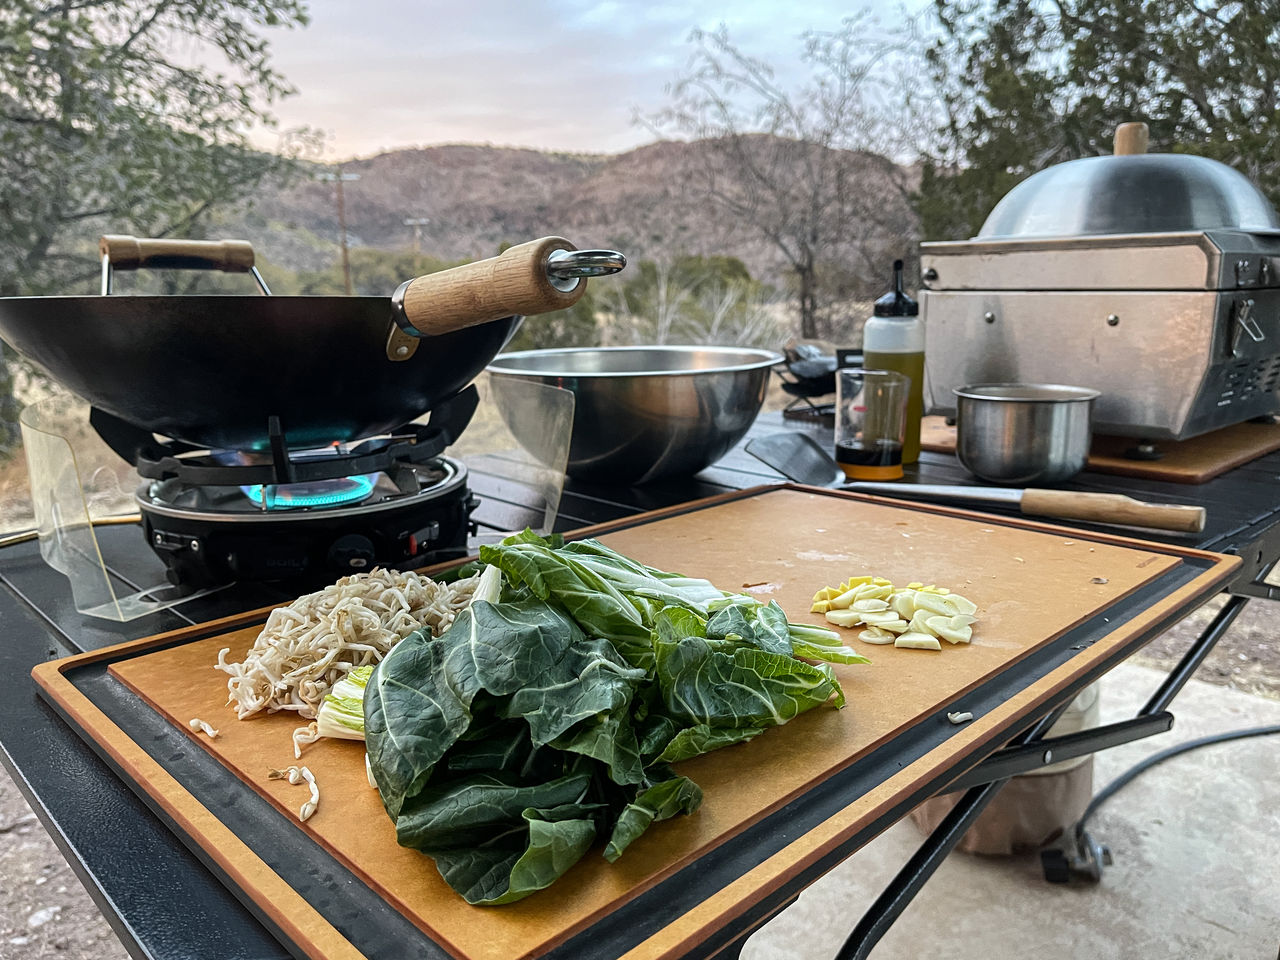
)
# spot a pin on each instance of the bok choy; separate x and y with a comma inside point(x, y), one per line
point(545, 719)
point(341, 712)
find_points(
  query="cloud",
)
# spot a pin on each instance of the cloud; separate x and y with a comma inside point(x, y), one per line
point(566, 75)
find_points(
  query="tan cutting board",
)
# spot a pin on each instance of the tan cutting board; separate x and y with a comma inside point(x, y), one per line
point(1031, 582)
point(1184, 461)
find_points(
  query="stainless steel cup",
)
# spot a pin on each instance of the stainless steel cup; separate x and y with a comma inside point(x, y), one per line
point(1023, 433)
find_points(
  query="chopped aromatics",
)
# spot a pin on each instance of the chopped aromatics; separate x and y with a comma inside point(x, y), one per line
point(919, 613)
point(876, 635)
point(918, 641)
point(953, 629)
point(306, 647)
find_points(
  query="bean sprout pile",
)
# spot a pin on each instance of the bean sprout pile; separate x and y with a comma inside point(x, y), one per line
point(309, 645)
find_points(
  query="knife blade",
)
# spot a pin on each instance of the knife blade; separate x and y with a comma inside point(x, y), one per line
point(1060, 504)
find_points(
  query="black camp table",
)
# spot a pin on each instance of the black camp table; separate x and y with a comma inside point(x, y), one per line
point(164, 901)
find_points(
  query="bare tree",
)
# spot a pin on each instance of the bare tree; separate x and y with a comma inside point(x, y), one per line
point(808, 172)
point(657, 315)
point(670, 304)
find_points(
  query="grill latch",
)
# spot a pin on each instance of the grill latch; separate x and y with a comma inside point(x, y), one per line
point(1245, 323)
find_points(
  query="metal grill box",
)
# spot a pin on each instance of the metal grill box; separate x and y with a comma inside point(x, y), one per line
point(1180, 331)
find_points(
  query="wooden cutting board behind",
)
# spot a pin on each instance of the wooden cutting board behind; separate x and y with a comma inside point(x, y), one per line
point(1030, 585)
point(1184, 461)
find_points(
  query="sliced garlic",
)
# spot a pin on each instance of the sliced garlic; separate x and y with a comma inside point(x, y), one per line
point(903, 603)
point(934, 603)
point(873, 591)
point(917, 641)
point(895, 626)
point(844, 618)
point(876, 618)
point(876, 635)
point(954, 629)
point(920, 622)
point(919, 613)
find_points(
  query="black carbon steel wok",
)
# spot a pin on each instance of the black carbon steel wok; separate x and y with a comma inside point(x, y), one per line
point(211, 370)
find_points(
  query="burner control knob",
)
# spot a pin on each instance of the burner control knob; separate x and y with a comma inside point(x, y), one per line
point(352, 552)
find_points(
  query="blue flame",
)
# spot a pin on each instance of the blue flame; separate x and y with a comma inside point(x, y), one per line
point(318, 493)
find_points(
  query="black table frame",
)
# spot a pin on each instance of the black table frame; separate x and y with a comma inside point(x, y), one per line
point(120, 850)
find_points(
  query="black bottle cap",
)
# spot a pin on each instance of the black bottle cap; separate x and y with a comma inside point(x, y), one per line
point(896, 303)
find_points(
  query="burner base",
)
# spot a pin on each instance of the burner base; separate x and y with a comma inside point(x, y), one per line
point(312, 547)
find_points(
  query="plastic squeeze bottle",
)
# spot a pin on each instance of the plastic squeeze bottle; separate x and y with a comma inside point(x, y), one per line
point(893, 339)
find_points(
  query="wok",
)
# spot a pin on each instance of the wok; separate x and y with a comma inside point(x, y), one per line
point(213, 370)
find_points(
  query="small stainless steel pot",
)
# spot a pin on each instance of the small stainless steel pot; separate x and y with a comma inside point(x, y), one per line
point(1022, 433)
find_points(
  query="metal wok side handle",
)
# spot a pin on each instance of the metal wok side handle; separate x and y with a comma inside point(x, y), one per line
point(567, 268)
point(122, 252)
point(535, 277)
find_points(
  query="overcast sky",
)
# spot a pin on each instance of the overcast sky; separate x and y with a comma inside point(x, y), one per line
point(569, 75)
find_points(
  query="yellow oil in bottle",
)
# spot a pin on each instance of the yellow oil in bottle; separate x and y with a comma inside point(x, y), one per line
point(911, 365)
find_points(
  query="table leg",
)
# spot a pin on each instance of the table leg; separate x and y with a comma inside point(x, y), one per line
point(911, 878)
point(1028, 752)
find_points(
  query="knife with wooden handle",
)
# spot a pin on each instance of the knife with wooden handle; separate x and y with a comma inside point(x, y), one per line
point(1060, 504)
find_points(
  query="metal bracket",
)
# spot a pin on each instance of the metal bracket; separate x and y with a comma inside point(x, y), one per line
point(1015, 761)
point(400, 345)
point(402, 336)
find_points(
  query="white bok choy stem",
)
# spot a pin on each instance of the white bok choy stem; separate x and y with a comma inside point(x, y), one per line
point(341, 713)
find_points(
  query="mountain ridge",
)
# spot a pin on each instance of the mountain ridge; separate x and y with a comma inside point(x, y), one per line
point(476, 197)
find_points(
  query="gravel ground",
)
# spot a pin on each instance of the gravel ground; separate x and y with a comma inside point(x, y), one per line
point(46, 913)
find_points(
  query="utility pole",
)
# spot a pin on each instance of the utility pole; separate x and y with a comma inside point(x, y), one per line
point(340, 178)
point(417, 223)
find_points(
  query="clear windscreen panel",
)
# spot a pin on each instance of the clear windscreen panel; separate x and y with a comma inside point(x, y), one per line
point(523, 428)
point(78, 483)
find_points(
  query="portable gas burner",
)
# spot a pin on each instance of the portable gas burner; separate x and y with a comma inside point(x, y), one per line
point(217, 517)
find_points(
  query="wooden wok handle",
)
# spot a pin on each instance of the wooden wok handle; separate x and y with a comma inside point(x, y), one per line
point(130, 253)
point(1131, 138)
point(1112, 508)
point(514, 282)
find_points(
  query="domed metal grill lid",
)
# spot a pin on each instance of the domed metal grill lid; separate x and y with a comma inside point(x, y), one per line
point(1131, 192)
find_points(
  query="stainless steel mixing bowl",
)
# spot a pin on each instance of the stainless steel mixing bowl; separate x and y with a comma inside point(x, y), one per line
point(644, 413)
point(1023, 433)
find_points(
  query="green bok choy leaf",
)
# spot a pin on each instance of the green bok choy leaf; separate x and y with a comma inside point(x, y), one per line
point(543, 721)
